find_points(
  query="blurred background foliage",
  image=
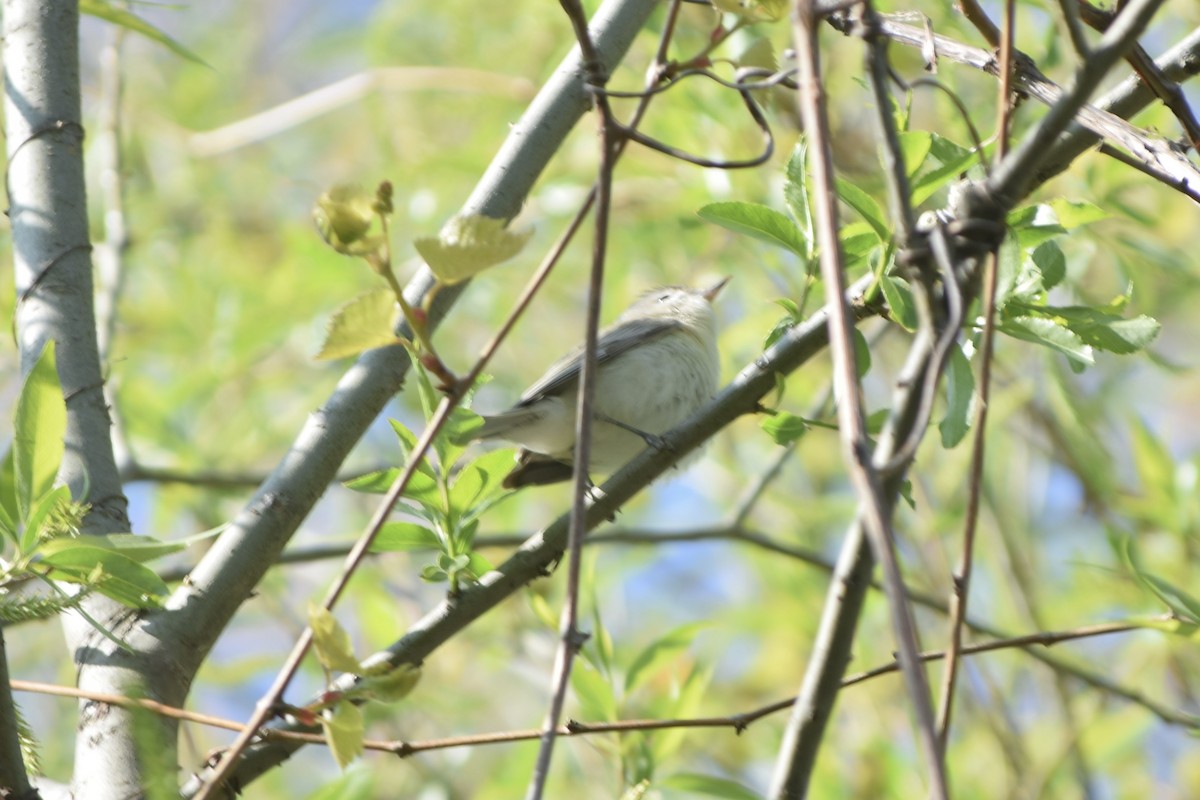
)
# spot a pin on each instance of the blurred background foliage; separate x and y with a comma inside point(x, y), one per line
point(227, 288)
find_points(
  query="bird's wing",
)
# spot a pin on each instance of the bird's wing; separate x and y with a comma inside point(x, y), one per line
point(612, 343)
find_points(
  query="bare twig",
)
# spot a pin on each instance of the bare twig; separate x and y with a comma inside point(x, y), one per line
point(874, 509)
point(570, 638)
point(962, 579)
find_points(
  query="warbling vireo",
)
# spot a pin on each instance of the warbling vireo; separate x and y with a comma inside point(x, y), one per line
point(655, 366)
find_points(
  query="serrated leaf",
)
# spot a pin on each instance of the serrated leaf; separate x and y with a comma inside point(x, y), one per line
point(78, 560)
point(366, 322)
point(1047, 333)
point(960, 391)
point(900, 302)
point(952, 160)
point(784, 428)
point(405, 536)
point(866, 207)
point(130, 21)
point(467, 245)
point(38, 429)
point(331, 642)
point(345, 730)
point(757, 221)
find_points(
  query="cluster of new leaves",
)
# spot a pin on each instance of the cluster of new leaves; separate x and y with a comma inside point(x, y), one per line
point(446, 496)
point(40, 521)
point(339, 712)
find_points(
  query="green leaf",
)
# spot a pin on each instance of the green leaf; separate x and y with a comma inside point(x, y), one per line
point(467, 245)
point(952, 160)
point(1051, 263)
point(366, 322)
point(658, 651)
point(39, 427)
point(9, 513)
point(785, 428)
point(960, 390)
point(345, 730)
point(1034, 225)
point(404, 536)
point(866, 207)
point(694, 783)
point(914, 148)
point(345, 216)
point(900, 302)
point(1073, 213)
point(1099, 328)
point(1182, 604)
point(80, 560)
point(130, 21)
point(422, 486)
point(331, 642)
point(46, 510)
point(138, 548)
point(477, 486)
point(595, 695)
point(758, 221)
point(1047, 333)
point(862, 353)
point(795, 194)
point(388, 684)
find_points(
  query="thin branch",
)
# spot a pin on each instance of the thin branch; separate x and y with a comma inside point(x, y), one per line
point(982, 22)
point(874, 509)
point(1013, 176)
point(570, 638)
point(962, 579)
point(1169, 92)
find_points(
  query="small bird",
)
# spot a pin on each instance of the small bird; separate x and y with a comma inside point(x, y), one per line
point(656, 365)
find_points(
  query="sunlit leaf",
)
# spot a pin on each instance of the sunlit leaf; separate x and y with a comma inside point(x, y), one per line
point(467, 245)
point(784, 428)
point(866, 207)
point(344, 727)
point(900, 301)
point(758, 221)
point(79, 560)
point(331, 642)
point(1048, 333)
point(388, 684)
point(38, 429)
point(401, 536)
point(658, 651)
point(366, 322)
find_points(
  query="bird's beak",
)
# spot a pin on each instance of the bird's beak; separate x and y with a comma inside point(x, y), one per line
point(711, 292)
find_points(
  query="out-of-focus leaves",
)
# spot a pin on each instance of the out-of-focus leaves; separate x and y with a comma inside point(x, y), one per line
point(130, 21)
point(785, 428)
